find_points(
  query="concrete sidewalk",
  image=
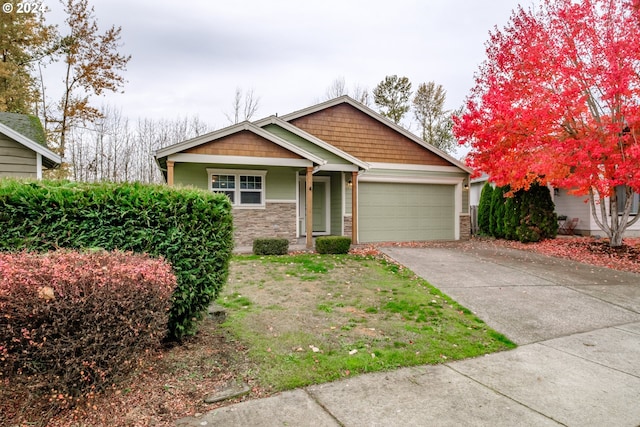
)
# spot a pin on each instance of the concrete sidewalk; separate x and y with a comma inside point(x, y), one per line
point(578, 363)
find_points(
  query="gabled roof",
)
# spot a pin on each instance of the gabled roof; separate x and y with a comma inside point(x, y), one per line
point(317, 141)
point(28, 126)
point(10, 122)
point(306, 152)
point(380, 118)
point(248, 126)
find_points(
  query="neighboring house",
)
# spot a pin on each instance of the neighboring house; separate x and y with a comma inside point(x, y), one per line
point(23, 151)
point(476, 189)
point(570, 206)
point(578, 207)
point(336, 168)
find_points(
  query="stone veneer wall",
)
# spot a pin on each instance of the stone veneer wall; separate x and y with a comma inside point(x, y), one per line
point(347, 225)
point(465, 226)
point(276, 220)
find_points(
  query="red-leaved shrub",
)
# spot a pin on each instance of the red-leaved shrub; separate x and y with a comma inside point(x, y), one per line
point(71, 323)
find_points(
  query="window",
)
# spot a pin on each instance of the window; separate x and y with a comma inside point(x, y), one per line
point(622, 198)
point(225, 184)
point(245, 188)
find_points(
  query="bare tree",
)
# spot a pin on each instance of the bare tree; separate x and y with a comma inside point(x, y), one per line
point(336, 89)
point(361, 94)
point(339, 88)
point(243, 107)
point(114, 150)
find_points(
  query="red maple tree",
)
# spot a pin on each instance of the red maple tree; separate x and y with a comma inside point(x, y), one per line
point(557, 101)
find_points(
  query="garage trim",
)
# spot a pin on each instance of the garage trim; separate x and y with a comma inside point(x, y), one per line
point(457, 181)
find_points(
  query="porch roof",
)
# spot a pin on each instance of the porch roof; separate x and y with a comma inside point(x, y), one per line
point(176, 152)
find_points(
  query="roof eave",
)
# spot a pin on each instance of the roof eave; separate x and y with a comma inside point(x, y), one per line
point(32, 145)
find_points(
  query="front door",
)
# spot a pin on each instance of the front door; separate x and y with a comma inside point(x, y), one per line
point(321, 206)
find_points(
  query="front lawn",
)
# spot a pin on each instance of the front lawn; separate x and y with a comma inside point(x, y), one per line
point(291, 321)
point(308, 319)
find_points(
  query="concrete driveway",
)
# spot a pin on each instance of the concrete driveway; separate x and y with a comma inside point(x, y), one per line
point(526, 296)
point(578, 363)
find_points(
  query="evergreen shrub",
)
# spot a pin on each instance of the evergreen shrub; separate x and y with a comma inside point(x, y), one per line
point(192, 229)
point(528, 216)
point(538, 219)
point(333, 244)
point(270, 246)
point(484, 210)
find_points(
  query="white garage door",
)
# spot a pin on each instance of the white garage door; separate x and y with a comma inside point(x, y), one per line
point(406, 212)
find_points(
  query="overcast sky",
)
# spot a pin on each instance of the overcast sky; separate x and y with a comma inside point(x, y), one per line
point(188, 57)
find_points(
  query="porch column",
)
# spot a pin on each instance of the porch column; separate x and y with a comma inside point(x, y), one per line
point(354, 208)
point(170, 173)
point(309, 207)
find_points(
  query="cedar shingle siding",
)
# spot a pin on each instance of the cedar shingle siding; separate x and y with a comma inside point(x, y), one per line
point(243, 143)
point(354, 132)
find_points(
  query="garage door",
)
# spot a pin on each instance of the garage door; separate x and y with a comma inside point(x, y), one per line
point(406, 212)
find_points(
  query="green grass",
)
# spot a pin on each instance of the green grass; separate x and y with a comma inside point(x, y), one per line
point(341, 315)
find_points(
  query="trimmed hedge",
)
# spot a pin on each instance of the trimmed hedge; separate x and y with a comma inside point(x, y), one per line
point(71, 323)
point(191, 228)
point(270, 246)
point(333, 244)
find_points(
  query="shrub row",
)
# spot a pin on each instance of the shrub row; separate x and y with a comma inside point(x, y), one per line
point(528, 216)
point(191, 228)
point(324, 245)
point(70, 323)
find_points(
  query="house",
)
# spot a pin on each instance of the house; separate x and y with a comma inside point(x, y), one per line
point(336, 168)
point(578, 207)
point(569, 206)
point(23, 151)
point(476, 186)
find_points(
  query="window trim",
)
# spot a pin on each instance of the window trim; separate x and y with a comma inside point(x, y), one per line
point(237, 173)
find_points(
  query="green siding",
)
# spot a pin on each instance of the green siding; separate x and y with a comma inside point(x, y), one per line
point(337, 196)
point(465, 198)
point(306, 145)
point(406, 212)
point(280, 181)
point(347, 194)
point(336, 201)
point(190, 175)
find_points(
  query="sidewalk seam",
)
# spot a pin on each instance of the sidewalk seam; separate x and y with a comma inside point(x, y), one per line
point(587, 360)
point(324, 408)
point(502, 394)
